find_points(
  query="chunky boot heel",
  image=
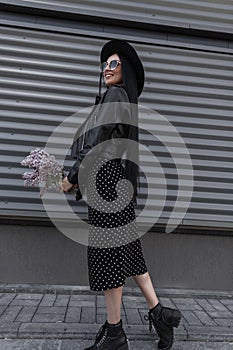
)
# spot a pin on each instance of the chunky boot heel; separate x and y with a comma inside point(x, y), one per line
point(176, 318)
point(164, 319)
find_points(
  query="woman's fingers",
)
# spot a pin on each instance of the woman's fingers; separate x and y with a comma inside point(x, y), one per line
point(66, 185)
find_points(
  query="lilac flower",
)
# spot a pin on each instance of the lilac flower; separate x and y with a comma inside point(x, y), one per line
point(45, 170)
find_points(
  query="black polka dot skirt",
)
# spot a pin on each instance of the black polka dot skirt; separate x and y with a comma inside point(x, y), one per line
point(114, 250)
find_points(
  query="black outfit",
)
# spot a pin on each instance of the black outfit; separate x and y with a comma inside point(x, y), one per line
point(121, 254)
point(114, 250)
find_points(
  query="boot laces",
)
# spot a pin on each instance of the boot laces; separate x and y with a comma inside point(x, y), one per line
point(103, 330)
point(149, 318)
point(152, 323)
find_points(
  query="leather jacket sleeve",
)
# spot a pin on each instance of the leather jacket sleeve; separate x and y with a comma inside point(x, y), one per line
point(102, 131)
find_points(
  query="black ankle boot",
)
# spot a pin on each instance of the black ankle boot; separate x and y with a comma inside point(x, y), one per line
point(164, 320)
point(110, 337)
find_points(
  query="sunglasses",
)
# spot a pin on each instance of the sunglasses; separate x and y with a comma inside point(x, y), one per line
point(111, 65)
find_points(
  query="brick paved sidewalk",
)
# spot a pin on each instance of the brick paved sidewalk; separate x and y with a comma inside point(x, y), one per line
point(67, 312)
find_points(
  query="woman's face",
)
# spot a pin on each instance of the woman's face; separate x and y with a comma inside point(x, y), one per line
point(112, 77)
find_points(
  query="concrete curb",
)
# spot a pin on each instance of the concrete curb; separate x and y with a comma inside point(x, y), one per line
point(12, 330)
point(70, 289)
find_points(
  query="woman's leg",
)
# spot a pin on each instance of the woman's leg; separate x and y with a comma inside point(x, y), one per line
point(111, 335)
point(145, 284)
point(163, 319)
point(113, 298)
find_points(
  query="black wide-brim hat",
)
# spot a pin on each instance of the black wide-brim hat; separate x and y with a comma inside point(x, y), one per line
point(123, 48)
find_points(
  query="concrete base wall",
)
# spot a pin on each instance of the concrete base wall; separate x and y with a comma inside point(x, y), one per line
point(36, 254)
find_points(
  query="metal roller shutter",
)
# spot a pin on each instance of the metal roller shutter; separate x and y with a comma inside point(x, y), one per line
point(195, 14)
point(47, 76)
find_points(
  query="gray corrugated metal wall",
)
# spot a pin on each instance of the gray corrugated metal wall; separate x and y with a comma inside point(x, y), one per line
point(196, 14)
point(47, 76)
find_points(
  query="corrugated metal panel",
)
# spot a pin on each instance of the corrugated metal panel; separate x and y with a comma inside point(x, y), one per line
point(46, 77)
point(198, 14)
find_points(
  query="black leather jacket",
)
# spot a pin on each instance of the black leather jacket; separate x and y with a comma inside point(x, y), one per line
point(108, 121)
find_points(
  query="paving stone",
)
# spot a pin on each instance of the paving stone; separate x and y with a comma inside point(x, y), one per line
point(101, 318)
point(2, 308)
point(205, 304)
point(85, 297)
point(76, 344)
point(62, 300)
point(230, 307)
point(133, 316)
point(26, 314)
point(11, 344)
point(9, 329)
point(50, 314)
point(48, 300)
point(88, 315)
point(29, 296)
point(167, 302)
point(43, 329)
point(80, 303)
point(7, 298)
point(54, 344)
point(191, 318)
point(226, 301)
point(134, 302)
point(102, 311)
point(51, 310)
point(57, 330)
point(73, 314)
point(10, 313)
point(134, 299)
point(220, 314)
point(228, 322)
point(210, 333)
point(205, 319)
point(48, 318)
point(25, 302)
point(35, 344)
point(217, 305)
point(186, 304)
point(100, 301)
point(41, 344)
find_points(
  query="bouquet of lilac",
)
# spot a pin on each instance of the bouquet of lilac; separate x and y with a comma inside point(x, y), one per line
point(46, 171)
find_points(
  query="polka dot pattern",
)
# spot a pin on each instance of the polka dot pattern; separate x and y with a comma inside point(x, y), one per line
point(114, 251)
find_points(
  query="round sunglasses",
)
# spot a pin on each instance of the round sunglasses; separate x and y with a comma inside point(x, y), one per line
point(111, 65)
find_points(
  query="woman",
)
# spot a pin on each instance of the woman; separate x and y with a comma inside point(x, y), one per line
point(110, 264)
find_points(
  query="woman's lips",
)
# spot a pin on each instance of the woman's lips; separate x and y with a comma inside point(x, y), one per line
point(108, 75)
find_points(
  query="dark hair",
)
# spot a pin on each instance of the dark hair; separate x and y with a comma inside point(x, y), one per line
point(129, 79)
point(130, 85)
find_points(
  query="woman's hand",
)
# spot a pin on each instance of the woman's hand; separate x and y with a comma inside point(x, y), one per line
point(66, 185)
